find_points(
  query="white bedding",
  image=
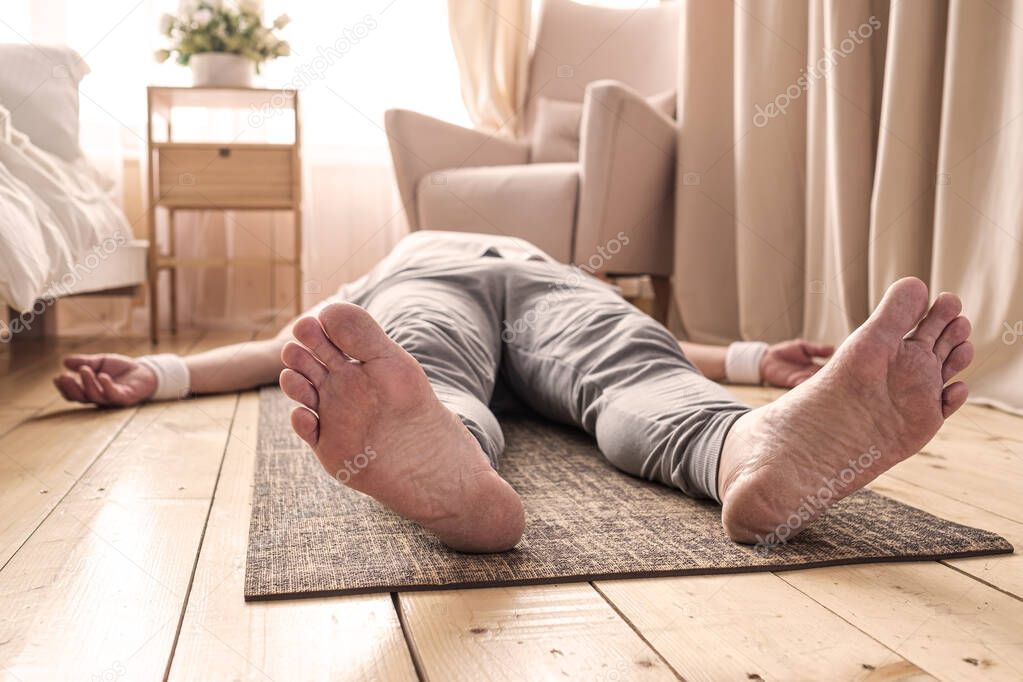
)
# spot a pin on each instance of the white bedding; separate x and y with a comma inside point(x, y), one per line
point(58, 222)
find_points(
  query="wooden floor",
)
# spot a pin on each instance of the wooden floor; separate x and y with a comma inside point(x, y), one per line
point(122, 546)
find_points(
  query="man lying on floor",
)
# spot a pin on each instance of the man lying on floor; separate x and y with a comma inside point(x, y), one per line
point(404, 363)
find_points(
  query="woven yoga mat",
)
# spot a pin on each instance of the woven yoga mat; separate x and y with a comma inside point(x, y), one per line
point(311, 536)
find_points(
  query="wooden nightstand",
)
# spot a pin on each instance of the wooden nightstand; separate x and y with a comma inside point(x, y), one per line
point(218, 176)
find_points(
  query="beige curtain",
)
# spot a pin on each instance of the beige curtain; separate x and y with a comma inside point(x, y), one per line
point(837, 145)
point(491, 42)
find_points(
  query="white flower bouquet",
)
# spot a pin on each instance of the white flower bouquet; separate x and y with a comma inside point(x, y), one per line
point(222, 26)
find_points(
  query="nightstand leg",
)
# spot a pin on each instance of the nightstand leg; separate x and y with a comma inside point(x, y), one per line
point(172, 253)
point(154, 310)
point(153, 256)
point(298, 262)
point(174, 301)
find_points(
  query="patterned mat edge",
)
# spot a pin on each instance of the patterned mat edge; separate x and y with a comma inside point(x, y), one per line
point(731, 570)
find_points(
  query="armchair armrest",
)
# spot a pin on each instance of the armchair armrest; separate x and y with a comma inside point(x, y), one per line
point(422, 144)
point(627, 170)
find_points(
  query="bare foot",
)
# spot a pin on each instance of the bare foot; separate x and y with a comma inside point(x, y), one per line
point(373, 420)
point(878, 401)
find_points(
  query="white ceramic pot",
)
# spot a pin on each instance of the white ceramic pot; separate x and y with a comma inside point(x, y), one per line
point(219, 69)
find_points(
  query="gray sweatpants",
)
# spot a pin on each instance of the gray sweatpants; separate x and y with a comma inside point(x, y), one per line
point(479, 312)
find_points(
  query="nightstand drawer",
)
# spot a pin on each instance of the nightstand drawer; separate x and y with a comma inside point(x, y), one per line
point(225, 176)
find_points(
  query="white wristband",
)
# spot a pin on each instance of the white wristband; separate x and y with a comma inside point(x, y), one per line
point(172, 379)
point(742, 362)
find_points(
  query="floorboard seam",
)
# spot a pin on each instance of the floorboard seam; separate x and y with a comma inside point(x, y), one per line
point(949, 497)
point(102, 451)
point(202, 538)
point(857, 627)
point(977, 428)
point(406, 633)
point(981, 580)
point(639, 634)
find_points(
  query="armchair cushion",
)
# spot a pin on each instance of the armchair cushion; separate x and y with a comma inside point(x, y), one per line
point(556, 131)
point(535, 202)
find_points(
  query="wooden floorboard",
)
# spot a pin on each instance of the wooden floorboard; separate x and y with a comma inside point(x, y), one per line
point(989, 421)
point(44, 454)
point(941, 620)
point(976, 470)
point(224, 638)
point(1003, 572)
point(752, 626)
point(102, 581)
point(540, 632)
point(99, 584)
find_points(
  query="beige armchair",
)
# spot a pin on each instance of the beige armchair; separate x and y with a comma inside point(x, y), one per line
point(596, 159)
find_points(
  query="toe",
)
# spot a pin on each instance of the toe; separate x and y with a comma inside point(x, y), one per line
point(954, 333)
point(300, 359)
point(309, 332)
point(958, 360)
point(298, 388)
point(306, 425)
point(953, 397)
point(902, 306)
point(946, 308)
point(355, 330)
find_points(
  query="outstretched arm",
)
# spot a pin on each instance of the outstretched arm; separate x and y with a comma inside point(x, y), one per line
point(118, 380)
point(710, 360)
point(237, 367)
point(785, 364)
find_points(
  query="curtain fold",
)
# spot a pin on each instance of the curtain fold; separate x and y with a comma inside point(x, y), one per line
point(491, 42)
point(838, 145)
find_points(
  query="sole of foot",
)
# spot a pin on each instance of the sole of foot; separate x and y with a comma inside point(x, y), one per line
point(881, 398)
point(370, 415)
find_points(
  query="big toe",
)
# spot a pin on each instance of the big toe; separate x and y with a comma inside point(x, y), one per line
point(902, 306)
point(356, 332)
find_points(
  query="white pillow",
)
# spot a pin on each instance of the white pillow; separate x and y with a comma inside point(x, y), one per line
point(39, 85)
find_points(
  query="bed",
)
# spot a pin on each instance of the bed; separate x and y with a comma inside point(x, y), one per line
point(61, 231)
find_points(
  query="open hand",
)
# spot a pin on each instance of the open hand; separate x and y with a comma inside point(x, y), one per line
point(105, 379)
point(790, 363)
